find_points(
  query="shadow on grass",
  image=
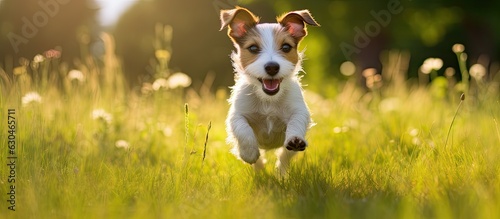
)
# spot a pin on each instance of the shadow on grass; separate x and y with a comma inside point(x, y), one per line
point(312, 191)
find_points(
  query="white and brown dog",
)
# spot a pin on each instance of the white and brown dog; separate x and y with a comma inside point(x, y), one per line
point(267, 110)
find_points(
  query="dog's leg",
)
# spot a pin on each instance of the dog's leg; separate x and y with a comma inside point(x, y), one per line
point(260, 163)
point(283, 162)
point(246, 144)
point(296, 130)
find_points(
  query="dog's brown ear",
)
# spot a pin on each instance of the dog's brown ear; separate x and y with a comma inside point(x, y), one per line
point(238, 20)
point(295, 23)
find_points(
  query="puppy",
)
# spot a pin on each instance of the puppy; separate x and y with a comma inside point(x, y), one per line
point(267, 109)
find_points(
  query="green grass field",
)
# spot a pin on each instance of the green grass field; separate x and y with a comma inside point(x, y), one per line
point(92, 148)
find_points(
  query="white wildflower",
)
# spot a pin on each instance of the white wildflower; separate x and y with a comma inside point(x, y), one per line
point(416, 141)
point(458, 48)
point(100, 114)
point(477, 71)
point(449, 72)
point(369, 72)
point(338, 130)
point(351, 123)
point(389, 105)
point(179, 80)
point(160, 83)
point(30, 98)
point(431, 143)
point(431, 64)
point(38, 58)
point(413, 132)
point(347, 68)
point(345, 129)
point(76, 75)
point(122, 144)
point(167, 131)
point(373, 80)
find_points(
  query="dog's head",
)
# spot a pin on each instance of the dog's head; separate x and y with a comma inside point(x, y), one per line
point(266, 52)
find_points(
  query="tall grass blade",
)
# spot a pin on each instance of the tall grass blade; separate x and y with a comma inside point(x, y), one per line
point(206, 141)
point(186, 128)
point(462, 98)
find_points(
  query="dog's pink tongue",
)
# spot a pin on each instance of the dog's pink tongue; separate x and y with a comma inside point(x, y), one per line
point(271, 84)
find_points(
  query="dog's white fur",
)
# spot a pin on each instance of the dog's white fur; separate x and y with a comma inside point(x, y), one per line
point(256, 120)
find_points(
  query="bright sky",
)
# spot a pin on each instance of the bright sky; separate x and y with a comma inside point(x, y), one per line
point(111, 10)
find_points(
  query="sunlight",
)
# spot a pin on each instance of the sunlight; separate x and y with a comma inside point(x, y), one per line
point(110, 120)
point(111, 11)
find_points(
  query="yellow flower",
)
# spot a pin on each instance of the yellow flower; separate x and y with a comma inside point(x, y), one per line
point(20, 70)
point(162, 55)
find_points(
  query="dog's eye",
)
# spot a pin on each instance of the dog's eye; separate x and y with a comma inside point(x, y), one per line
point(286, 48)
point(254, 49)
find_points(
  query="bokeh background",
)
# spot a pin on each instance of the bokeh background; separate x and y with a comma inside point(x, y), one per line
point(108, 126)
point(358, 31)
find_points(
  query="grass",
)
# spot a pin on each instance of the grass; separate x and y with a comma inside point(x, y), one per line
point(373, 154)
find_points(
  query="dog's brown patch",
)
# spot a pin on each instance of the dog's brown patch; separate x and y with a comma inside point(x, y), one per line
point(252, 38)
point(283, 37)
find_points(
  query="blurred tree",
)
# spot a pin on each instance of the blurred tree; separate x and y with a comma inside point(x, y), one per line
point(360, 30)
point(30, 27)
point(433, 27)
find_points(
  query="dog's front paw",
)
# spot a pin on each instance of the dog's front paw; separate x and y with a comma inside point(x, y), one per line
point(296, 144)
point(249, 154)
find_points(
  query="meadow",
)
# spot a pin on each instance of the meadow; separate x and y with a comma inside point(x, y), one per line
point(88, 146)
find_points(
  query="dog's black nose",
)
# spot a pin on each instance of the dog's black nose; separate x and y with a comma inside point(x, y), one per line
point(272, 68)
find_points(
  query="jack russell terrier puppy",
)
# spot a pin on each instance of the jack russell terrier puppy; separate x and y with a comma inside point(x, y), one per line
point(267, 109)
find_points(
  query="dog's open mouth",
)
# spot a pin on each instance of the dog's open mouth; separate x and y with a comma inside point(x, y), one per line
point(270, 86)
